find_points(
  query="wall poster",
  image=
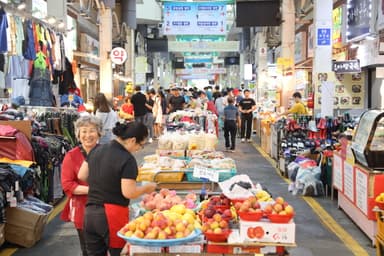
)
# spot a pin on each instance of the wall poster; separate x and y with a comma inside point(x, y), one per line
point(349, 90)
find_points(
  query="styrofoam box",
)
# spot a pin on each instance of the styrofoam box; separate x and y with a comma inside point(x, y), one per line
point(272, 232)
point(190, 248)
point(144, 249)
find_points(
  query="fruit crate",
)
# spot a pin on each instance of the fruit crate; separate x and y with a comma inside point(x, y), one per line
point(223, 175)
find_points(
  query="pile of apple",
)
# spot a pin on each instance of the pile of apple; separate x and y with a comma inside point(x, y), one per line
point(280, 207)
point(165, 199)
point(178, 222)
point(217, 205)
point(215, 225)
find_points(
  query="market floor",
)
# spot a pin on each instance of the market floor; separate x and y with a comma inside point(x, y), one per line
point(321, 228)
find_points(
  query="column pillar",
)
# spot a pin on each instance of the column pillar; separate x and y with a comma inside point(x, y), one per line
point(288, 48)
point(105, 47)
point(323, 28)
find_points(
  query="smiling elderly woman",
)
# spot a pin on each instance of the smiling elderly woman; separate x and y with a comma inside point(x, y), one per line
point(88, 130)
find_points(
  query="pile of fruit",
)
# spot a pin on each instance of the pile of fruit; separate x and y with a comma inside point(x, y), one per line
point(177, 222)
point(280, 207)
point(252, 210)
point(220, 205)
point(216, 212)
point(165, 199)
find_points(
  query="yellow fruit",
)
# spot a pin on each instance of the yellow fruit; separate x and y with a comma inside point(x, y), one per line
point(179, 208)
point(128, 233)
point(188, 217)
point(191, 212)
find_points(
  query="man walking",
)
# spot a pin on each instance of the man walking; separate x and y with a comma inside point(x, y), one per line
point(231, 117)
point(138, 100)
point(246, 106)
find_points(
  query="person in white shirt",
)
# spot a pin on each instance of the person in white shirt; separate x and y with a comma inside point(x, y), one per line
point(102, 109)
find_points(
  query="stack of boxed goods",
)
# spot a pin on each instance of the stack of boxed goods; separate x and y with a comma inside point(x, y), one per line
point(179, 154)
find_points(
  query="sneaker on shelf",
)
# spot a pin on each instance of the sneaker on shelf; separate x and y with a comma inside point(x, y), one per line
point(150, 140)
point(249, 140)
point(242, 140)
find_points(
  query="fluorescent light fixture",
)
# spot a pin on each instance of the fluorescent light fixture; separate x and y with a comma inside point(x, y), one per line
point(370, 37)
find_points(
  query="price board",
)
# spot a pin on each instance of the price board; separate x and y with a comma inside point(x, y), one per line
point(204, 172)
point(118, 55)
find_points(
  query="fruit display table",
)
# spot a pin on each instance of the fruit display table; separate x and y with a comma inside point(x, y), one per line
point(357, 189)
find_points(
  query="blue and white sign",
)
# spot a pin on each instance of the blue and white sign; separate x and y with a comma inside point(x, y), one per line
point(194, 18)
point(324, 37)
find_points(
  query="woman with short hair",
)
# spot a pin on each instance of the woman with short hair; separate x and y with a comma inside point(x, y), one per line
point(88, 131)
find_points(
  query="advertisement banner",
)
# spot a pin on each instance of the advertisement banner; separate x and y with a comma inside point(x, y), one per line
point(193, 18)
point(359, 14)
point(310, 41)
point(337, 17)
point(348, 90)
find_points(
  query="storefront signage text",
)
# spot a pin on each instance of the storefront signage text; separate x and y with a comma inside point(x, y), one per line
point(348, 66)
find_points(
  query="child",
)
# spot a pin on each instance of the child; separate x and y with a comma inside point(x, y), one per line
point(231, 118)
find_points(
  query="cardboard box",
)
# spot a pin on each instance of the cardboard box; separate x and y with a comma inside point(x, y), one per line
point(268, 232)
point(24, 227)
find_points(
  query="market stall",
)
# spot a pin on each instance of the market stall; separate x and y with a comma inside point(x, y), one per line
point(166, 222)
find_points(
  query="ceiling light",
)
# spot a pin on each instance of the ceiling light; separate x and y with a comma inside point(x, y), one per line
point(51, 20)
point(21, 6)
point(61, 24)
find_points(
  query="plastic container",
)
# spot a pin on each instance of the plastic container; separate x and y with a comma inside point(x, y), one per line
point(250, 216)
point(218, 238)
point(277, 218)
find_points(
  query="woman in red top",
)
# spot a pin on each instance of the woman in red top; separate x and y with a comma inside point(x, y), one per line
point(88, 130)
point(126, 110)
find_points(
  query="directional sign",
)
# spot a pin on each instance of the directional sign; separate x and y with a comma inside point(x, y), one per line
point(189, 18)
point(324, 37)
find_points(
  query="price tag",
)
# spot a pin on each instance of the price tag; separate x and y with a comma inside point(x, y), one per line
point(203, 172)
point(118, 55)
